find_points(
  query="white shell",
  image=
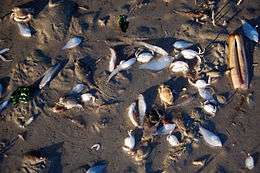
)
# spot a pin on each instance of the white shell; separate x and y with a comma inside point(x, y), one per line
point(249, 162)
point(210, 138)
point(129, 141)
point(25, 30)
point(165, 129)
point(189, 54)
point(97, 169)
point(154, 48)
point(87, 97)
point(157, 65)
point(144, 57)
point(122, 66)
point(182, 44)
point(112, 62)
point(173, 140)
point(132, 113)
point(49, 74)
point(141, 108)
point(250, 32)
point(207, 94)
point(73, 42)
point(210, 108)
point(179, 66)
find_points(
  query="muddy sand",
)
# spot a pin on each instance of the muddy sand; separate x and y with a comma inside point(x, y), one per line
point(61, 142)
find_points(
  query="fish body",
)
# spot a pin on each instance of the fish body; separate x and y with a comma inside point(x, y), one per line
point(157, 65)
point(179, 67)
point(73, 42)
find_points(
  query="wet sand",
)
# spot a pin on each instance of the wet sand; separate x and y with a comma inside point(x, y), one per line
point(66, 144)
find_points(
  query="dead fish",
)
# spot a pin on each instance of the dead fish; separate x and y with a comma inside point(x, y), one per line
point(73, 42)
point(165, 129)
point(112, 62)
point(173, 140)
point(154, 48)
point(77, 89)
point(123, 66)
point(182, 44)
point(141, 108)
point(24, 29)
point(99, 168)
point(250, 32)
point(210, 138)
point(249, 162)
point(159, 64)
point(132, 114)
point(49, 74)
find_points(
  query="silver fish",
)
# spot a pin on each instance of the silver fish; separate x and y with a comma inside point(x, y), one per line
point(49, 74)
point(141, 108)
point(210, 138)
point(154, 48)
point(250, 32)
point(159, 64)
point(73, 42)
point(123, 66)
point(182, 44)
point(165, 129)
point(100, 168)
point(112, 62)
point(24, 29)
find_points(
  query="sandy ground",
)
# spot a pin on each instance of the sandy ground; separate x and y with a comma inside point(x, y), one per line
point(67, 145)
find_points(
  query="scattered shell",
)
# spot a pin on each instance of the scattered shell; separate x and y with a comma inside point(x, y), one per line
point(207, 94)
point(210, 138)
point(189, 54)
point(157, 65)
point(165, 94)
point(73, 42)
point(132, 114)
point(182, 44)
point(179, 66)
point(24, 29)
point(200, 84)
point(49, 74)
point(112, 62)
point(156, 49)
point(87, 97)
point(143, 55)
point(250, 32)
point(99, 168)
point(141, 108)
point(96, 147)
point(173, 140)
point(165, 129)
point(123, 66)
point(249, 162)
point(129, 142)
point(210, 108)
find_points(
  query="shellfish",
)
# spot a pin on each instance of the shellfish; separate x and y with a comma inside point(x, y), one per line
point(179, 67)
point(182, 44)
point(143, 55)
point(165, 95)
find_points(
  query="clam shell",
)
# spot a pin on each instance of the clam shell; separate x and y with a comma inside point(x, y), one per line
point(249, 162)
point(210, 138)
point(144, 57)
point(173, 140)
point(157, 65)
point(179, 66)
point(25, 30)
point(182, 44)
point(100, 168)
point(249, 31)
point(1, 90)
point(73, 42)
point(189, 54)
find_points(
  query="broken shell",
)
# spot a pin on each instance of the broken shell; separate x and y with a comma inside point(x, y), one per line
point(96, 147)
point(98, 168)
point(73, 42)
point(141, 108)
point(129, 142)
point(87, 97)
point(1, 90)
point(249, 162)
point(165, 94)
point(189, 54)
point(199, 83)
point(77, 89)
point(132, 114)
point(210, 138)
point(207, 94)
point(210, 108)
point(179, 66)
point(173, 140)
point(24, 29)
point(21, 15)
point(144, 55)
point(158, 64)
point(112, 62)
point(182, 44)
point(199, 162)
